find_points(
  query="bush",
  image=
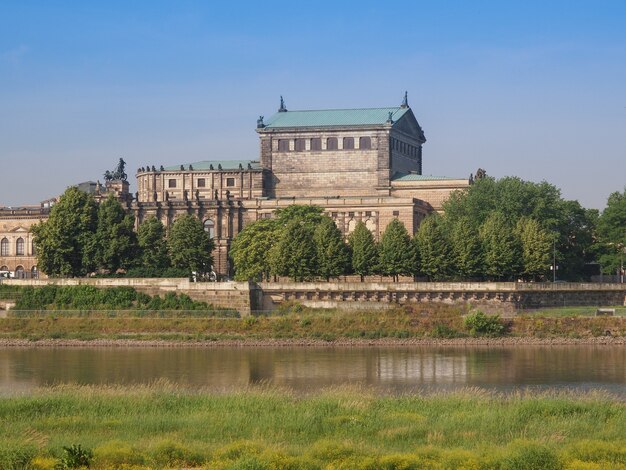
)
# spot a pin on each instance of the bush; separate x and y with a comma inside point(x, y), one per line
point(479, 324)
point(75, 456)
point(173, 454)
point(444, 331)
point(531, 456)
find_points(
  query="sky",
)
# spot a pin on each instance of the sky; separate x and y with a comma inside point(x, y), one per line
point(532, 89)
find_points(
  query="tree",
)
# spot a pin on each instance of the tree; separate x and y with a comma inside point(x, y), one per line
point(467, 256)
point(189, 245)
point(396, 253)
point(294, 254)
point(500, 247)
point(612, 232)
point(152, 244)
point(250, 250)
point(303, 213)
point(66, 241)
point(333, 256)
point(364, 251)
point(116, 239)
point(433, 249)
point(536, 248)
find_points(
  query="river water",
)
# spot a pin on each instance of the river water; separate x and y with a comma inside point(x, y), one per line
point(386, 369)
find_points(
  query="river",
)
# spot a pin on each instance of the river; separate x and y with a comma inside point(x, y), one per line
point(307, 369)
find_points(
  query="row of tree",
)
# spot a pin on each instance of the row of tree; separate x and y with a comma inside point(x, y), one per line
point(81, 237)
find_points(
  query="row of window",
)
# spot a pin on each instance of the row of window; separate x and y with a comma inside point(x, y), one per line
point(19, 247)
point(20, 273)
point(332, 143)
point(201, 183)
point(405, 148)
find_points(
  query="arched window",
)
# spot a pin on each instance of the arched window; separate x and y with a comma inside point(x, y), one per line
point(19, 272)
point(365, 143)
point(331, 143)
point(4, 247)
point(209, 227)
point(19, 247)
point(348, 143)
point(4, 268)
point(34, 272)
point(351, 226)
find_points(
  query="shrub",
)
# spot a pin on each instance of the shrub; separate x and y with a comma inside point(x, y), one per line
point(531, 456)
point(75, 456)
point(443, 331)
point(173, 454)
point(480, 324)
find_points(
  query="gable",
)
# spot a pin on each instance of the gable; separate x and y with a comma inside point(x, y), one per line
point(409, 125)
point(19, 229)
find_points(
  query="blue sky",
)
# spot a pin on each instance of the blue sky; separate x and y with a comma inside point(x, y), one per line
point(534, 89)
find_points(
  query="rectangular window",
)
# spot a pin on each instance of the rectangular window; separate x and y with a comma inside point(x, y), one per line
point(230, 181)
point(283, 145)
point(331, 143)
point(368, 213)
point(316, 144)
point(201, 183)
point(350, 214)
point(300, 145)
point(348, 143)
point(365, 143)
point(396, 213)
point(334, 215)
point(171, 183)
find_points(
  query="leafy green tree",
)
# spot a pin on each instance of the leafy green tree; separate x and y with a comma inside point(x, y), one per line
point(500, 247)
point(189, 245)
point(66, 241)
point(333, 255)
point(303, 213)
point(536, 248)
point(433, 248)
point(250, 250)
point(153, 245)
point(396, 252)
point(612, 233)
point(364, 251)
point(294, 254)
point(467, 256)
point(117, 246)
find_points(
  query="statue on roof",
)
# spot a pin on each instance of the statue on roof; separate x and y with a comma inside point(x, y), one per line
point(259, 123)
point(282, 108)
point(118, 174)
point(390, 117)
point(480, 174)
point(405, 100)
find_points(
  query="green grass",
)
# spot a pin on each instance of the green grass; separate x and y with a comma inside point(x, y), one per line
point(162, 426)
point(572, 311)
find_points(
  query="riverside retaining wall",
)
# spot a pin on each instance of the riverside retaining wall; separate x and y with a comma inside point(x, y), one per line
point(501, 297)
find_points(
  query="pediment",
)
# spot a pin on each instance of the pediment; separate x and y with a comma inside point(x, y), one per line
point(408, 124)
point(19, 229)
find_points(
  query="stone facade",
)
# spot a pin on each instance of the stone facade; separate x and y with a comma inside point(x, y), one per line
point(358, 165)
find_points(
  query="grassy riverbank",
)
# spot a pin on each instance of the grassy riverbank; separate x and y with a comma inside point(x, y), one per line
point(296, 323)
point(161, 426)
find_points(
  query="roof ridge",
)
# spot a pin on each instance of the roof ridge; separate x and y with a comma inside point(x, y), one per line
point(339, 109)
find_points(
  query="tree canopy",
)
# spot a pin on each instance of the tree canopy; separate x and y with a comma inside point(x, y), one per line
point(364, 251)
point(189, 245)
point(396, 255)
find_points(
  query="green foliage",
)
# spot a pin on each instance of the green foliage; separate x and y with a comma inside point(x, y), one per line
point(116, 240)
point(294, 254)
point(501, 250)
point(480, 324)
point(251, 248)
point(189, 245)
point(536, 246)
point(304, 213)
point(66, 242)
point(16, 456)
point(364, 250)
point(157, 272)
point(465, 244)
point(433, 248)
point(525, 455)
point(152, 246)
point(612, 233)
point(333, 256)
point(396, 253)
point(75, 456)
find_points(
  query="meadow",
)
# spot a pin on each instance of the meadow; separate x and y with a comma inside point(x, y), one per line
point(162, 426)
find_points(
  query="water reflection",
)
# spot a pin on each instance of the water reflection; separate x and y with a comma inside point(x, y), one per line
point(392, 369)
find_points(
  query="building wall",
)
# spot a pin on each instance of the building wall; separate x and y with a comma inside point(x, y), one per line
point(16, 224)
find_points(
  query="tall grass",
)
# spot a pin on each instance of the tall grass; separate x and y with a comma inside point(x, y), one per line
point(162, 426)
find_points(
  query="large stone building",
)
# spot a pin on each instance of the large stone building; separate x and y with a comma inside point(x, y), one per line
point(357, 164)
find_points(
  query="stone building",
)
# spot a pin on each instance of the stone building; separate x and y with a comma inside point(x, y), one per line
point(357, 164)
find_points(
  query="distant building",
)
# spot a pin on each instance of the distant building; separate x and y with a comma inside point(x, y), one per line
point(357, 164)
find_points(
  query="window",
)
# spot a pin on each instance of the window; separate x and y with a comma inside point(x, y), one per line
point(368, 213)
point(209, 227)
point(230, 182)
point(331, 143)
point(19, 272)
point(19, 247)
point(334, 215)
point(396, 213)
point(201, 183)
point(34, 272)
point(283, 145)
point(350, 214)
point(171, 184)
point(4, 247)
point(365, 143)
point(348, 143)
point(316, 144)
point(300, 145)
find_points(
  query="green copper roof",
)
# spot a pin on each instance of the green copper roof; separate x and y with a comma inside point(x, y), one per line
point(414, 177)
point(226, 165)
point(334, 117)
